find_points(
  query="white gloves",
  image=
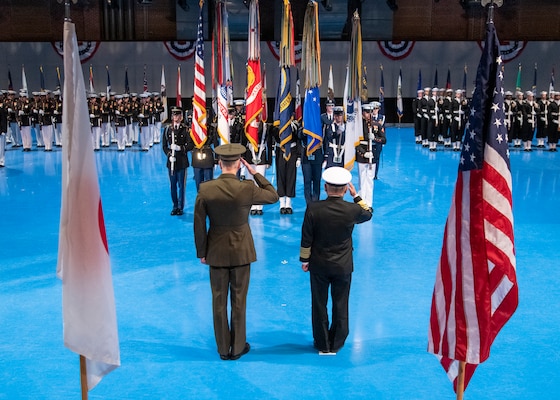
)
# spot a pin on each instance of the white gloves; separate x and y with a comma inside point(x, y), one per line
point(140, 115)
point(324, 164)
point(117, 112)
point(172, 159)
point(92, 116)
point(368, 154)
point(298, 162)
point(175, 147)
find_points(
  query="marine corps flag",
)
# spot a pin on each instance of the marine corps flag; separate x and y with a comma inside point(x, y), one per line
point(311, 68)
point(88, 304)
point(253, 103)
point(475, 291)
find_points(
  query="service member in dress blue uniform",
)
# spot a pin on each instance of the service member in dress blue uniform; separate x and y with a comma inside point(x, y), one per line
point(554, 121)
point(380, 138)
point(542, 119)
point(203, 160)
point(227, 245)
point(335, 134)
point(530, 111)
point(286, 166)
point(326, 252)
point(176, 144)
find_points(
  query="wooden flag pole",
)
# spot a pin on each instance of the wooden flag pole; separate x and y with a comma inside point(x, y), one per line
point(83, 377)
point(461, 380)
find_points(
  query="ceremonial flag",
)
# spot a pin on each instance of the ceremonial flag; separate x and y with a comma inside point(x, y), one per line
point(108, 89)
point(330, 85)
point(42, 78)
point(126, 85)
point(534, 87)
point(23, 81)
point(224, 88)
point(419, 86)
point(163, 91)
point(10, 83)
point(465, 80)
point(199, 128)
point(178, 101)
point(436, 79)
point(264, 99)
point(475, 291)
point(91, 87)
point(551, 85)
point(311, 67)
point(399, 96)
point(298, 106)
point(518, 80)
point(254, 101)
point(145, 80)
point(364, 92)
point(88, 304)
point(58, 83)
point(382, 93)
point(352, 95)
point(448, 81)
point(283, 108)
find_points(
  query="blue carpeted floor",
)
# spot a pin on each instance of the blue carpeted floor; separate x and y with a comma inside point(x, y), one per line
point(163, 294)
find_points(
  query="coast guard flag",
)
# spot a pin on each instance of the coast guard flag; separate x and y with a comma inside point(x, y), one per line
point(88, 304)
point(475, 291)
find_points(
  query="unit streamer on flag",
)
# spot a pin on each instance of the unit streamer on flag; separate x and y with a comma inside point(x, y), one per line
point(353, 94)
point(475, 291)
point(199, 128)
point(88, 304)
point(253, 102)
point(283, 108)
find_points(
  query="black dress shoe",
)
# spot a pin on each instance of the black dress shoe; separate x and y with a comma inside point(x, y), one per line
point(289, 210)
point(225, 357)
point(245, 351)
point(282, 210)
point(174, 211)
point(253, 212)
point(179, 212)
point(259, 212)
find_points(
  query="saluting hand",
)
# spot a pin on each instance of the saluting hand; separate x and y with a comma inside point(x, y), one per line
point(352, 189)
point(250, 169)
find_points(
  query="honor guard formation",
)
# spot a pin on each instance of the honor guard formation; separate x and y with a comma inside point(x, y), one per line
point(441, 118)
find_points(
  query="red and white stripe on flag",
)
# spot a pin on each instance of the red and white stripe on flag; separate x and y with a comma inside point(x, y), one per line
point(88, 304)
point(199, 128)
point(475, 291)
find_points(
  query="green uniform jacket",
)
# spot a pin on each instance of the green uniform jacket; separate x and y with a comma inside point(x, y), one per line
point(226, 202)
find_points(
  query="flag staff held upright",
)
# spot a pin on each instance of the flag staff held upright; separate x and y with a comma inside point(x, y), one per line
point(462, 364)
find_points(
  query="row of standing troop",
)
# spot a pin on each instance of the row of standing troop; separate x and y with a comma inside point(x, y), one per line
point(441, 115)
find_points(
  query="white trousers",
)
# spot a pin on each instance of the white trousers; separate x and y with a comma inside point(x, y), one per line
point(366, 173)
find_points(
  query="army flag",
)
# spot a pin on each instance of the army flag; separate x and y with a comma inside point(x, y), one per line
point(253, 102)
point(352, 95)
point(475, 291)
point(311, 68)
point(199, 129)
point(88, 304)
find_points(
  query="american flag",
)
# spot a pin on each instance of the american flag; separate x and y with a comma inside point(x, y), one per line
point(476, 291)
point(199, 130)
